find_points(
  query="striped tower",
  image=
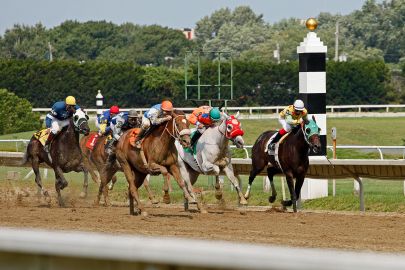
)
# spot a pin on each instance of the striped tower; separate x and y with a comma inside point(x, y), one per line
point(312, 82)
point(312, 86)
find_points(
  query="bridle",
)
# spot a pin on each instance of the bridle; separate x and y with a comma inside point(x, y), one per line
point(176, 133)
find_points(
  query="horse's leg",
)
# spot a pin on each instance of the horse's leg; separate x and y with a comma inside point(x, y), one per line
point(35, 168)
point(89, 167)
point(166, 196)
point(271, 171)
point(299, 181)
point(189, 196)
point(112, 183)
point(229, 173)
point(218, 190)
point(83, 194)
point(106, 176)
point(151, 196)
point(290, 183)
point(60, 183)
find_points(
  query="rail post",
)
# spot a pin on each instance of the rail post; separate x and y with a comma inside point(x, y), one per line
point(334, 135)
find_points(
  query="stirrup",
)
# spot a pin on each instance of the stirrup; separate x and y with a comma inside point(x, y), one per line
point(46, 148)
point(272, 148)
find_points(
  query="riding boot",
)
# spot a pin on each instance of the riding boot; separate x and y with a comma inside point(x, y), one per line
point(50, 138)
point(109, 149)
point(274, 141)
point(195, 138)
point(139, 138)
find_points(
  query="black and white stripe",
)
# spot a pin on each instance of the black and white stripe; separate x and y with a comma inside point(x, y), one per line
point(312, 82)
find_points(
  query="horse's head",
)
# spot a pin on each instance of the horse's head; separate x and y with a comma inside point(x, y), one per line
point(311, 134)
point(80, 120)
point(180, 128)
point(233, 131)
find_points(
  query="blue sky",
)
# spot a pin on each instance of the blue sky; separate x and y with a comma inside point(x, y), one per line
point(172, 13)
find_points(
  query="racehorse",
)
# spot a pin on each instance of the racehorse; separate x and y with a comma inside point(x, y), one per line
point(97, 157)
point(212, 155)
point(64, 155)
point(158, 155)
point(292, 156)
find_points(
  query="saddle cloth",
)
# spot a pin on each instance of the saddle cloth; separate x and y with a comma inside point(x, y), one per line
point(277, 144)
point(132, 136)
point(42, 135)
point(188, 158)
point(91, 142)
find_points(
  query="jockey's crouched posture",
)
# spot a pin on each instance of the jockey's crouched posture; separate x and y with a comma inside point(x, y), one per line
point(105, 118)
point(289, 118)
point(120, 123)
point(58, 118)
point(156, 115)
point(203, 117)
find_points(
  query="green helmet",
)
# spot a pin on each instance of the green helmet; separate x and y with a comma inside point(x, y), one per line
point(215, 114)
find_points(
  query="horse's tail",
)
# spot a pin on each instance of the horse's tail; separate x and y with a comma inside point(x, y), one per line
point(25, 157)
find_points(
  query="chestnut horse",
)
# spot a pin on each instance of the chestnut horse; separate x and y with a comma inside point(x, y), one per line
point(293, 159)
point(98, 158)
point(64, 156)
point(160, 154)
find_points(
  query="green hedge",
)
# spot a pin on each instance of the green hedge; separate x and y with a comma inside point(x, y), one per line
point(129, 85)
point(16, 114)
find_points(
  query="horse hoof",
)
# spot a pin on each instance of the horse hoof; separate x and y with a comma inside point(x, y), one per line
point(83, 195)
point(243, 202)
point(155, 201)
point(203, 211)
point(144, 214)
point(218, 195)
point(272, 199)
point(166, 199)
point(110, 187)
point(186, 206)
point(191, 200)
point(48, 199)
point(286, 203)
point(246, 196)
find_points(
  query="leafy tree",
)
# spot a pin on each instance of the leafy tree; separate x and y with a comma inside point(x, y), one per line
point(16, 114)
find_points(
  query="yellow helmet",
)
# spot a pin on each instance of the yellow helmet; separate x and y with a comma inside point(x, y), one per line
point(70, 100)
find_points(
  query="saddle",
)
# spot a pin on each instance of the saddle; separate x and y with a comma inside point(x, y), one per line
point(42, 135)
point(91, 142)
point(275, 151)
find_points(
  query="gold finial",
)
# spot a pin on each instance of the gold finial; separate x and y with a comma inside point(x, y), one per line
point(311, 24)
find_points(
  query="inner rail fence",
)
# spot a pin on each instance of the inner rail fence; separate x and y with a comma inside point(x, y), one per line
point(20, 145)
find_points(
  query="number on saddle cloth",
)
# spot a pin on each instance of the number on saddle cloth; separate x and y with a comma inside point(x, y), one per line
point(91, 142)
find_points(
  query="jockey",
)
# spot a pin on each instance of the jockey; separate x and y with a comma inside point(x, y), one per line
point(289, 118)
point(203, 117)
point(105, 120)
point(59, 117)
point(156, 115)
point(120, 123)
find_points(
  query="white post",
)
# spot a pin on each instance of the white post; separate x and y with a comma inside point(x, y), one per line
point(99, 104)
point(312, 90)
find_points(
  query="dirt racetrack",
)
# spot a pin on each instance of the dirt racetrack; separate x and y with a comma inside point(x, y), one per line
point(369, 231)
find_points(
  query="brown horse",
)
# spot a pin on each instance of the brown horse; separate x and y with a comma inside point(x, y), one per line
point(97, 158)
point(160, 154)
point(64, 156)
point(293, 159)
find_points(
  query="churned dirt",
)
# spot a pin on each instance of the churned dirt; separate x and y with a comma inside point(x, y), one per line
point(355, 231)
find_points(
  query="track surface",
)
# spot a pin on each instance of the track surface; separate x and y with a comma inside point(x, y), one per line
point(369, 231)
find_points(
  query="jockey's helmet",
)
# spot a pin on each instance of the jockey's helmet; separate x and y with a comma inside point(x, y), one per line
point(215, 114)
point(167, 106)
point(132, 114)
point(70, 100)
point(299, 105)
point(115, 109)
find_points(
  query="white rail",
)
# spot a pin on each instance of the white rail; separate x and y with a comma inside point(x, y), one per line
point(86, 250)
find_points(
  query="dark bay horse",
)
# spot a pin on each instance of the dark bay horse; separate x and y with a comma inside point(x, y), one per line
point(160, 153)
point(293, 159)
point(64, 156)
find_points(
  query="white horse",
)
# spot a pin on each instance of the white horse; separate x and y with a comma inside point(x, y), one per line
point(213, 155)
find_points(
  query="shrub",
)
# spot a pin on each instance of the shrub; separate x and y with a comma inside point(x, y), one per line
point(16, 114)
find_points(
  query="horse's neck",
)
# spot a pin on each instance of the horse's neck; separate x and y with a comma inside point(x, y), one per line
point(216, 136)
point(163, 133)
point(301, 144)
point(71, 136)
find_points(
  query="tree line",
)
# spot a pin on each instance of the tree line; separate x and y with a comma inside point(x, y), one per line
point(130, 85)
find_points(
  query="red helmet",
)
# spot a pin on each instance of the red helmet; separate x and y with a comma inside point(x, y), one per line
point(115, 109)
